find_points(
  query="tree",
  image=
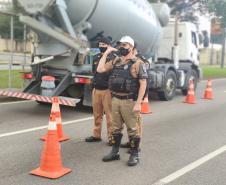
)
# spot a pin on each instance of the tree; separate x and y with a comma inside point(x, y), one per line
point(153, 1)
point(178, 5)
point(5, 26)
point(218, 8)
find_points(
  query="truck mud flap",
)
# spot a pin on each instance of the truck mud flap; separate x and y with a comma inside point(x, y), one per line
point(87, 99)
point(62, 100)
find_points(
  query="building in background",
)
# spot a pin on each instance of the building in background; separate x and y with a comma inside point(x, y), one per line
point(5, 4)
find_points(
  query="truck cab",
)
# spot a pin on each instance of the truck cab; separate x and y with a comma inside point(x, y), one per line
point(177, 60)
point(188, 42)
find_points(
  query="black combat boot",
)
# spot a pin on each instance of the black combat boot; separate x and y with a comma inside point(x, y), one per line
point(134, 157)
point(110, 143)
point(92, 139)
point(114, 155)
point(125, 145)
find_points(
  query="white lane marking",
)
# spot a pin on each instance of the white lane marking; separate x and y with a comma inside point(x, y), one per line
point(190, 167)
point(43, 127)
point(16, 102)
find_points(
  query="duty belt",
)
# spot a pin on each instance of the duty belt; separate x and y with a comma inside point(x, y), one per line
point(124, 97)
point(100, 88)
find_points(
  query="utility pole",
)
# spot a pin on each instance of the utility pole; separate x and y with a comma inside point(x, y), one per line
point(211, 55)
point(175, 48)
point(24, 49)
point(223, 49)
point(12, 50)
point(25, 43)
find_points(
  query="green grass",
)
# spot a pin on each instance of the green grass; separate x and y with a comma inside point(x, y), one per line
point(208, 72)
point(211, 72)
point(16, 79)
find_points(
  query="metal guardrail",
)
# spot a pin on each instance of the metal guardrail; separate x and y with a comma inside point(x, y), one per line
point(4, 7)
point(19, 58)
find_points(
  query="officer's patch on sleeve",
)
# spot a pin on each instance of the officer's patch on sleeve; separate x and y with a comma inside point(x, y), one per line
point(143, 71)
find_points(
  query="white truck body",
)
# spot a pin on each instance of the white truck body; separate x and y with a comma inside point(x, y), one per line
point(66, 29)
point(187, 42)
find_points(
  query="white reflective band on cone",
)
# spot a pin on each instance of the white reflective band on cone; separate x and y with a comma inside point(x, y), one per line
point(52, 125)
point(58, 120)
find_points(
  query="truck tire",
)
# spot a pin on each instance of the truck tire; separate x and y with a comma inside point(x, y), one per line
point(169, 88)
point(194, 78)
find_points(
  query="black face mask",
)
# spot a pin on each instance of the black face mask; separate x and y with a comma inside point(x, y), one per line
point(123, 51)
point(102, 49)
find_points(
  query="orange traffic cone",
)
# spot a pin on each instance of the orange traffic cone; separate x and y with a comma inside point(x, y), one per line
point(145, 108)
point(190, 98)
point(56, 109)
point(51, 164)
point(208, 95)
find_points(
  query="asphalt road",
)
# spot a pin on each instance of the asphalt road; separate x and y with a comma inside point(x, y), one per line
point(182, 144)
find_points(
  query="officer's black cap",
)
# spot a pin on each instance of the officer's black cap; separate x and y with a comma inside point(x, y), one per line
point(106, 40)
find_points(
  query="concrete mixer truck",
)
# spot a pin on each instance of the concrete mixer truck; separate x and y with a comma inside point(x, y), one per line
point(65, 29)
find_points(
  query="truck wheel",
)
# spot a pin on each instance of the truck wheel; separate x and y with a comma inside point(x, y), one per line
point(169, 88)
point(194, 78)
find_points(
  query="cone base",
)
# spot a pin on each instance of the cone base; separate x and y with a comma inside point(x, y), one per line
point(50, 175)
point(63, 138)
point(205, 98)
point(149, 112)
point(43, 138)
point(189, 102)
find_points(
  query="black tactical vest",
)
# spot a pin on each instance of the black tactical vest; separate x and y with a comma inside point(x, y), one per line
point(122, 81)
point(100, 80)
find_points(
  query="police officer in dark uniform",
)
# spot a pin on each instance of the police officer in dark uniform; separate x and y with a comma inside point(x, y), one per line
point(101, 96)
point(127, 84)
